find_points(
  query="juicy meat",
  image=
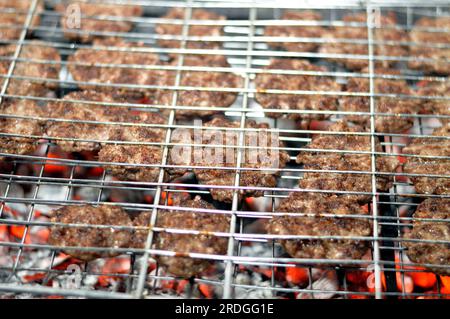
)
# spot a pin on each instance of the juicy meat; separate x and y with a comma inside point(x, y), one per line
point(348, 182)
point(118, 52)
point(296, 102)
point(14, 15)
point(316, 225)
point(351, 33)
point(183, 244)
point(39, 70)
point(109, 237)
point(263, 163)
point(435, 106)
point(64, 109)
point(149, 157)
point(20, 126)
point(424, 49)
point(393, 106)
point(431, 253)
point(208, 79)
point(435, 166)
point(99, 19)
point(194, 30)
point(296, 31)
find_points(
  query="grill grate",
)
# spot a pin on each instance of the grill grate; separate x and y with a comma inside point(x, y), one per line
point(244, 45)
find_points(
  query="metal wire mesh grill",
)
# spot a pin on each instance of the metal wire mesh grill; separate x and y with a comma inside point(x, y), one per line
point(245, 46)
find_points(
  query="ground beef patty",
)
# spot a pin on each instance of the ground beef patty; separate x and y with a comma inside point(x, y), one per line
point(264, 164)
point(435, 166)
point(82, 111)
point(393, 106)
point(14, 20)
point(20, 126)
point(296, 31)
point(99, 18)
point(34, 50)
point(430, 253)
point(424, 40)
point(136, 154)
point(194, 30)
point(182, 244)
point(435, 106)
point(63, 236)
point(118, 52)
point(295, 102)
point(317, 160)
point(202, 79)
point(380, 33)
point(316, 204)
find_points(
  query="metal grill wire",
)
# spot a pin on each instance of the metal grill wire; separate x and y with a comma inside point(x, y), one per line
point(244, 47)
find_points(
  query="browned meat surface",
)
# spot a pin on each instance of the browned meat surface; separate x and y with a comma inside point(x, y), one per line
point(194, 30)
point(108, 237)
point(435, 166)
point(124, 71)
point(348, 182)
point(39, 70)
point(435, 106)
point(431, 253)
point(183, 244)
point(19, 126)
point(97, 19)
point(263, 164)
point(14, 15)
point(205, 79)
point(148, 157)
point(393, 106)
point(296, 102)
point(316, 204)
point(296, 31)
point(351, 33)
point(424, 48)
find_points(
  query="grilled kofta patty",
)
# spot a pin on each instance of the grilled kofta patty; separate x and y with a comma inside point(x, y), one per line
point(124, 57)
point(431, 253)
point(349, 182)
point(14, 15)
point(435, 166)
point(262, 164)
point(65, 109)
point(381, 32)
point(423, 46)
point(136, 154)
point(204, 79)
point(393, 106)
point(316, 204)
point(194, 30)
point(97, 19)
point(296, 102)
point(435, 105)
point(182, 244)
point(296, 31)
point(39, 70)
point(108, 237)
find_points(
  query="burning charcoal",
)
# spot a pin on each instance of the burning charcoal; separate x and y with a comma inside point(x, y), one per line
point(183, 244)
point(324, 287)
point(95, 21)
point(108, 237)
point(426, 252)
point(315, 204)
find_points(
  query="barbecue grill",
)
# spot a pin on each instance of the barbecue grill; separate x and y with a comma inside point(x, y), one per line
point(255, 265)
